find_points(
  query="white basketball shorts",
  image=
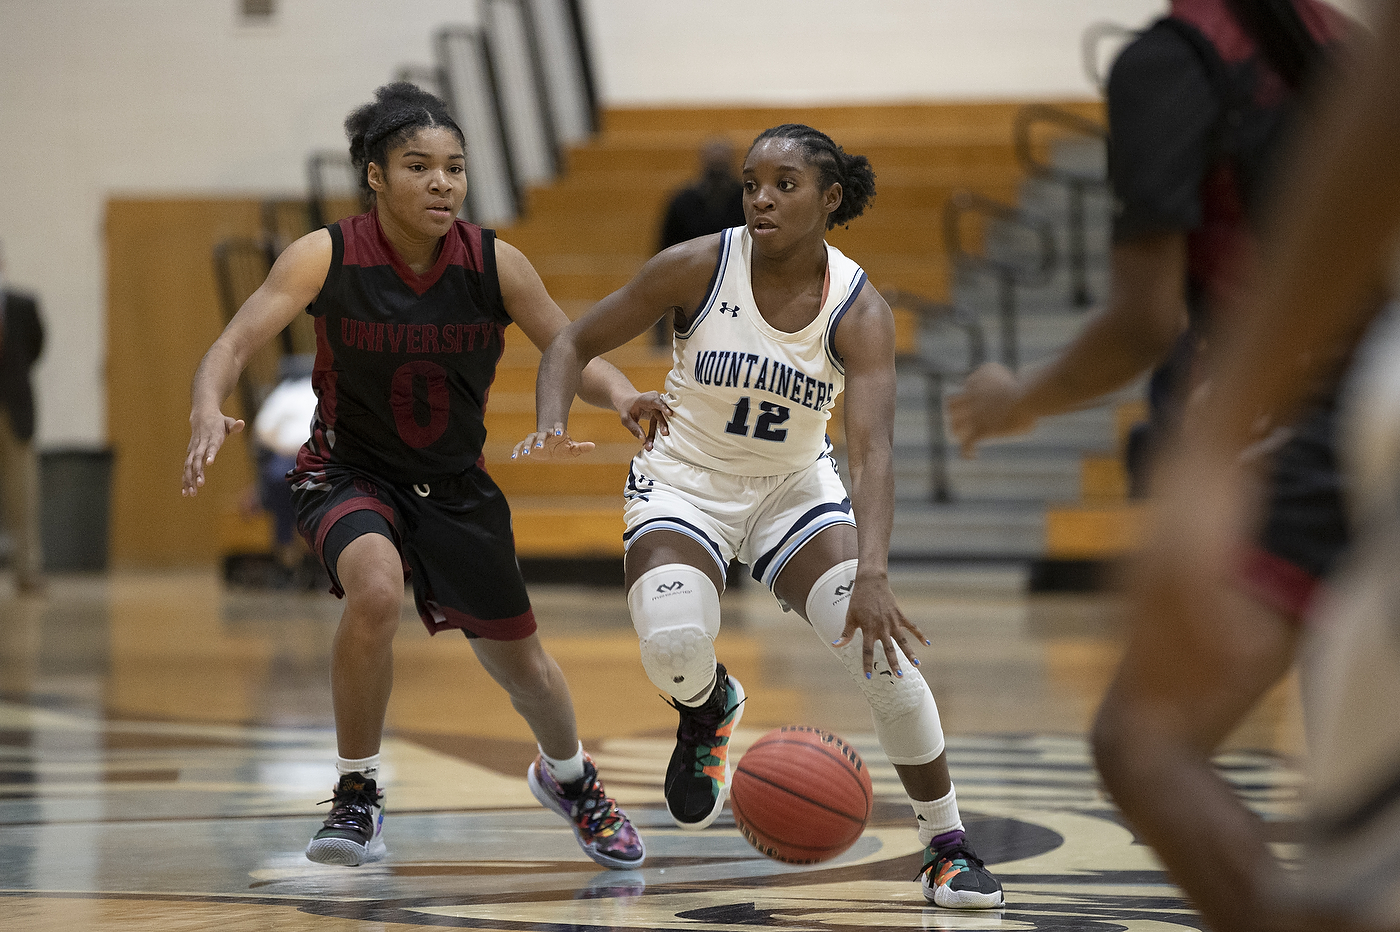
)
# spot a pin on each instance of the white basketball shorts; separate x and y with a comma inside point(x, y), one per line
point(762, 520)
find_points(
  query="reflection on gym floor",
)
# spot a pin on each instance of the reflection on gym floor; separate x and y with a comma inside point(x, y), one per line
point(166, 741)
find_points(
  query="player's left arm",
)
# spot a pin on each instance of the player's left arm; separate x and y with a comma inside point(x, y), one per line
point(530, 306)
point(865, 340)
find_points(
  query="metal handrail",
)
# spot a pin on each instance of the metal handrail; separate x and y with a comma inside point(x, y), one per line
point(929, 313)
point(321, 167)
point(1009, 275)
point(1031, 114)
point(1094, 36)
point(1075, 185)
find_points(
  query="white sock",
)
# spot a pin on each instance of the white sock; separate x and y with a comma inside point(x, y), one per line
point(367, 767)
point(564, 771)
point(937, 816)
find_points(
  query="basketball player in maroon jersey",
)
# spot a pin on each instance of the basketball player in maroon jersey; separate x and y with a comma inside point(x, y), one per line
point(1328, 251)
point(411, 306)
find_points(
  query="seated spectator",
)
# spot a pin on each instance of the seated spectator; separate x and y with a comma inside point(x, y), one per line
point(282, 425)
point(709, 204)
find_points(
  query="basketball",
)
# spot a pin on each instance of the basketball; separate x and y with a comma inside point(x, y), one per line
point(801, 795)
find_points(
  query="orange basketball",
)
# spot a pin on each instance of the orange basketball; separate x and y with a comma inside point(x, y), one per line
point(801, 795)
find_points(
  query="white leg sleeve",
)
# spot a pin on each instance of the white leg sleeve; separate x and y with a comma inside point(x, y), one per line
point(675, 609)
point(905, 715)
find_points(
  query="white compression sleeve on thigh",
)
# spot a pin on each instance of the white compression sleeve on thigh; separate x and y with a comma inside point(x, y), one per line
point(675, 609)
point(906, 717)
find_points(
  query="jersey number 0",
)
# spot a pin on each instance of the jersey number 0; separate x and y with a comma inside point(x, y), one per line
point(406, 378)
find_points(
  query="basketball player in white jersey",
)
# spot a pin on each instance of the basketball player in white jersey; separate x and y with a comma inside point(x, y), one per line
point(771, 324)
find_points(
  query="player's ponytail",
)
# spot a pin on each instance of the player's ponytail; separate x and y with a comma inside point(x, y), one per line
point(857, 188)
point(397, 112)
point(835, 166)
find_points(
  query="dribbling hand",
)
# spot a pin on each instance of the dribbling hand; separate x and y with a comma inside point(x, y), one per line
point(207, 435)
point(874, 613)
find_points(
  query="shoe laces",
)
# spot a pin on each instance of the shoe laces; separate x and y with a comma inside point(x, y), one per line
point(352, 807)
point(594, 810)
point(699, 724)
point(957, 852)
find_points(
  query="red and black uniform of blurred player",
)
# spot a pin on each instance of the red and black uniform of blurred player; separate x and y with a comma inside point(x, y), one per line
point(396, 443)
point(1197, 116)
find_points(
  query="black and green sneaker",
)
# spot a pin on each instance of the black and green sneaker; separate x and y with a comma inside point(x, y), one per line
point(697, 778)
point(954, 877)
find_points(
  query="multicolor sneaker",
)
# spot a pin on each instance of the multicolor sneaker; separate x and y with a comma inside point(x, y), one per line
point(954, 877)
point(697, 778)
point(603, 831)
point(353, 833)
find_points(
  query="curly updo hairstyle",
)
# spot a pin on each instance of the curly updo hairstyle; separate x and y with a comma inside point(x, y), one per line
point(852, 172)
point(397, 112)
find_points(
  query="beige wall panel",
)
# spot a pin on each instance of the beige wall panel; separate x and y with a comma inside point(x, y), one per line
point(163, 313)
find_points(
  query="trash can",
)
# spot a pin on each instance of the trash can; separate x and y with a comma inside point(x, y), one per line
point(75, 491)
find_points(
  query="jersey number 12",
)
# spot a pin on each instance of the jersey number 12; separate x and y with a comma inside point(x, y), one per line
point(773, 414)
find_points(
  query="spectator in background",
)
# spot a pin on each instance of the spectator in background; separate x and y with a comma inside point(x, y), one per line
point(711, 203)
point(283, 424)
point(21, 342)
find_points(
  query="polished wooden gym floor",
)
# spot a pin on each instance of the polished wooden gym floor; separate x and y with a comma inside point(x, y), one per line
point(166, 740)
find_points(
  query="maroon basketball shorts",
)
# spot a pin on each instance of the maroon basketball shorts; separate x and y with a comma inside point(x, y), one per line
point(1305, 529)
point(453, 536)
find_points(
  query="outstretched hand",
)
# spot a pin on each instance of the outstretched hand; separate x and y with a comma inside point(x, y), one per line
point(556, 443)
point(551, 445)
point(986, 407)
point(207, 435)
point(874, 613)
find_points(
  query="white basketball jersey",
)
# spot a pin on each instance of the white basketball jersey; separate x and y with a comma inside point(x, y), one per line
point(751, 400)
point(1351, 659)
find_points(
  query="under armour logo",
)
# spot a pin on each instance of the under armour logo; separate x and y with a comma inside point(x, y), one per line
point(669, 586)
point(845, 590)
point(724, 308)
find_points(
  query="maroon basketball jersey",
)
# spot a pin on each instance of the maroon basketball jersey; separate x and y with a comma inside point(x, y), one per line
point(404, 362)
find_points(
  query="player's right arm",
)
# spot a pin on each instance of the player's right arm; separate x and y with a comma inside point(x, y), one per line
point(1134, 331)
point(674, 280)
point(295, 280)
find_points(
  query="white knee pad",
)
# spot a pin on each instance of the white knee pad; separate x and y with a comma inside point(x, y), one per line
point(905, 715)
point(675, 609)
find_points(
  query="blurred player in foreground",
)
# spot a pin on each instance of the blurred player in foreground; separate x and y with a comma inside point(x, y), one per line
point(1195, 663)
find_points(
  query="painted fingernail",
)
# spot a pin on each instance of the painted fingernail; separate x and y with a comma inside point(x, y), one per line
point(540, 444)
point(835, 642)
point(512, 456)
point(867, 675)
point(927, 642)
point(899, 673)
point(916, 662)
point(558, 432)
